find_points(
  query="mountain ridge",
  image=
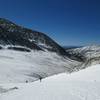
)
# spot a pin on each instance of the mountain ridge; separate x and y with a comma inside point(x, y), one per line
point(31, 36)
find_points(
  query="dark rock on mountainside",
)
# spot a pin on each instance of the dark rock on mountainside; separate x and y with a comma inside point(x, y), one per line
point(19, 49)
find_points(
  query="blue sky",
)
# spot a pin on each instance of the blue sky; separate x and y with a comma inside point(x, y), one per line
point(69, 22)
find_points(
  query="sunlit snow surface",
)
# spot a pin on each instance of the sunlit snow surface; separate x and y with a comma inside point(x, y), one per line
point(82, 85)
point(17, 66)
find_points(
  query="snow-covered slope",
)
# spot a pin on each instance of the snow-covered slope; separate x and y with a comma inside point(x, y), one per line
point(86, 51)
point(89, 54)
point(17, 66)
point(82, 85)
